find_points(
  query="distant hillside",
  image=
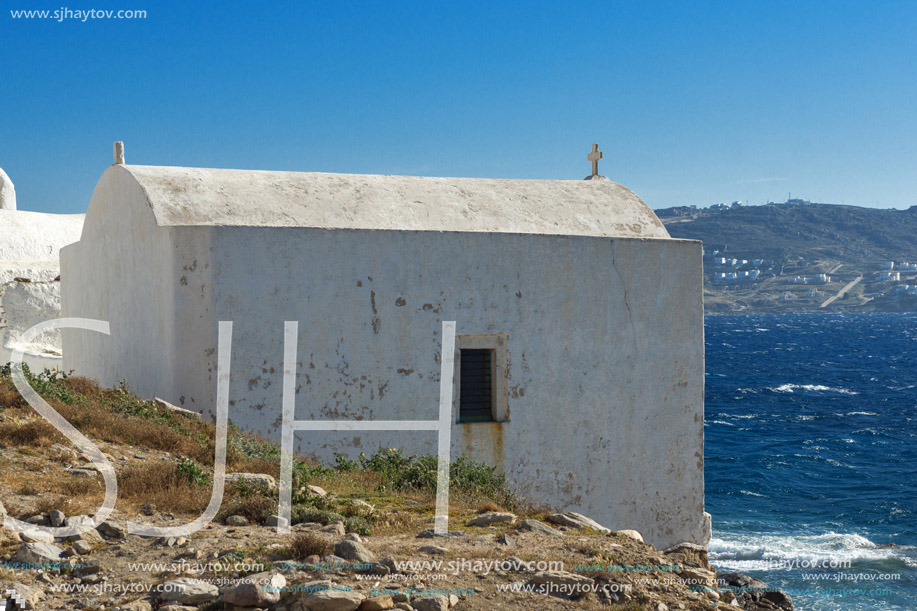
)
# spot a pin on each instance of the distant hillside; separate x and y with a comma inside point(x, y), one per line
point(802, 257)
point(776, 231)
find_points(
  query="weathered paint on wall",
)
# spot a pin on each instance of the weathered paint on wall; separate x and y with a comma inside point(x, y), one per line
point(605, 343)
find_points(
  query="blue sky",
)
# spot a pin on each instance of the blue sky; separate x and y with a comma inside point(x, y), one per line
point(691, 102)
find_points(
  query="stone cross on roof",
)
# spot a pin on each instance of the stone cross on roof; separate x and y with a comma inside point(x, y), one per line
point(594, 157)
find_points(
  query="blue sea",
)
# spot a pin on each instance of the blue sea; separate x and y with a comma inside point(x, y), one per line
point(811, 455)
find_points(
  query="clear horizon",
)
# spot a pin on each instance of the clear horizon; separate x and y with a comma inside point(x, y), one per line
point(691, 105)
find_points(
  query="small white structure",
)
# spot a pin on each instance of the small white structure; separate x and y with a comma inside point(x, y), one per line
point(589, 315)
point(7, 192)
point(889, 276)
point(887, 265)
point(907, 267)
point(30, 276)
point(818, 279)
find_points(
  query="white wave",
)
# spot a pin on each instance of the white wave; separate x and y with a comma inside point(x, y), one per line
point(862, 414)
point(791, 388)
point(772, 552)
point(721, 422)
point(749, 493)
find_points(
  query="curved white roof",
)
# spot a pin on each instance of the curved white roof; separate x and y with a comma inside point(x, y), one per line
point(212, 197)
point(36, 236)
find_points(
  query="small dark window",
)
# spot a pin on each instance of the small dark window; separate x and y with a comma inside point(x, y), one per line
point(476, 386)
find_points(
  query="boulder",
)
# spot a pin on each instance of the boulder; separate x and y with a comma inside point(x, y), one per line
point(112, 530)
point(354, 551)
point(38, 553)
point(188, 591)
point(576, 520)
point(236, 521)
point(34, 535)
point(379, 603)
point(630, 534)
point(433, 550)
point(56, 517)
point(492, 517)
point(690, 554)
point(334, 529)
point(332, 600)
point(432, 603)
point(256, 479)
point(316, 490)
point(259, 590)
point(82, 548)
point(540, 527)
point(141, 604)
point(755, 595)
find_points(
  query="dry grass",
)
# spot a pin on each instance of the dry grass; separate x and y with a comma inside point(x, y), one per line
point(310, 544)
point(9, 396)
point(36, 432)
point(163, 485)
point(488, 506)
point(256, 509)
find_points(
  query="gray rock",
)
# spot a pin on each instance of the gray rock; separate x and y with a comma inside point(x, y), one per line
point(236, 521)
point(332, 600)
point(317, 491)
point(255, 479)
point(576, 520)
point(433, 603)
point(506, 540)
point(38, 553)
point(272, 521)
point(90, 567)
point(113, 530)
point(434, 550)
point(755, 595)
point(34, 535)
point(188, 591)
point(56, 517)
point(38, 520)
point(259, 590)
point(690, 554)
point(355, 551)
point(540, 527)
point(335, 529)
point(630, 534)
point(175, 409)
point(78, 521)
point(493, 517)
point(82, 548)
point(148, 510)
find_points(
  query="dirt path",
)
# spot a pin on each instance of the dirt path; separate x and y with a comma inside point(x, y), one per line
point(841, 292)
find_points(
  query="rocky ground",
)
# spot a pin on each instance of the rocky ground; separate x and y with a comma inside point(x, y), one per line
point(361, 538)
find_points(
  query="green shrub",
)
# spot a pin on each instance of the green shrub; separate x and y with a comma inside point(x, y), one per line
point(193, 472)
point(302, 513)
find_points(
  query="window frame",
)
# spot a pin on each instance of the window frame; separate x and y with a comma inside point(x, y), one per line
point(497, 344)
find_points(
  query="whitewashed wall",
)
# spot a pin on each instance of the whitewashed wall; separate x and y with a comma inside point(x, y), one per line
point(29, 280)
point(605, 344)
